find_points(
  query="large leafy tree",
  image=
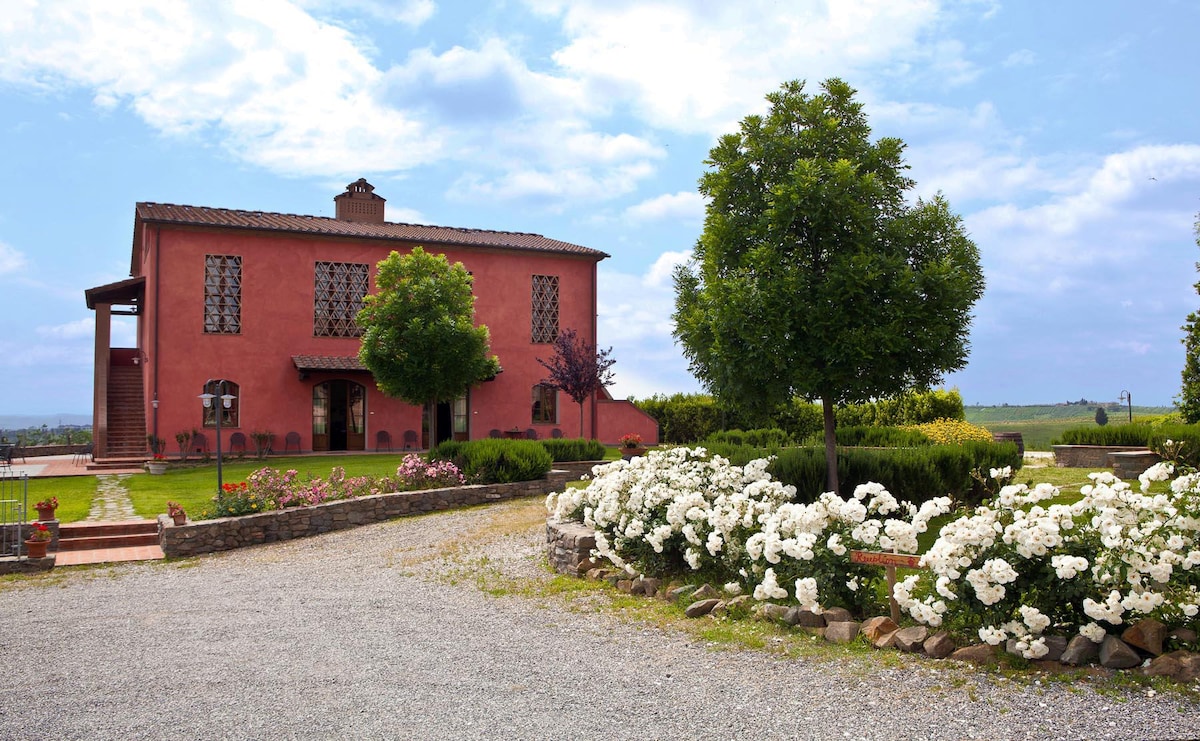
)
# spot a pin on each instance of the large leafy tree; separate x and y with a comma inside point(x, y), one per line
point(815, 276)
point(419, 335)
point(1189, 397)
point(578, 368)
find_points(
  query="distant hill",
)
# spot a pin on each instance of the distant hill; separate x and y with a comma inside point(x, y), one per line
point(21, 421)
point(1056, 412)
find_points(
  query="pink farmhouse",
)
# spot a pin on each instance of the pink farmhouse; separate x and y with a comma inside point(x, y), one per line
point(266, 302)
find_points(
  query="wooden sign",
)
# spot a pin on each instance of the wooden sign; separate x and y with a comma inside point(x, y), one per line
point(889, 561)
point(876, 558)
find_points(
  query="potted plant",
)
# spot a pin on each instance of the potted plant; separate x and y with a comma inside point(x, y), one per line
point(38, 540)
point(183, 438)
point(158, 465)
point(631, 445)
point(45, 509)
point(176, 513)
point(157, 444)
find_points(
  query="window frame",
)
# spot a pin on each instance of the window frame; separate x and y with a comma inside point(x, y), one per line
point(544, 309)
point(543, 397)
point(230, 417)
point(335, 306)
point(223, 278)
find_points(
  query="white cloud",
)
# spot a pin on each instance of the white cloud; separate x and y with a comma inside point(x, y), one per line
point(1020, 58)
point(11, 260)
point(274, 85)
point(685, 206)
point(701, 66)
point(410, 13)
point(78, 329)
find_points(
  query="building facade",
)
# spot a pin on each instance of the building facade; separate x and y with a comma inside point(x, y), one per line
point(266, 303)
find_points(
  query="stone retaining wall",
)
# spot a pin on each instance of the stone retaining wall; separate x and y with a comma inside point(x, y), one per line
point(1090, 456)
point(36, 451)
point(207, 536)
point(569, 546)
point(577, 469)
point(1132, 464)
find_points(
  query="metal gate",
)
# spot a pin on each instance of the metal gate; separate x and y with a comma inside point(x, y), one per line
point(14, 503)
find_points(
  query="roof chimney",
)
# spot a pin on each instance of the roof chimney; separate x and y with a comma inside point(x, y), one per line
point(359, 203)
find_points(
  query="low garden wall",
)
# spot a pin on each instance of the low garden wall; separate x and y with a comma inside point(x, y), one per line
point(207, 536)
point(1090, 456)
point(577, 469)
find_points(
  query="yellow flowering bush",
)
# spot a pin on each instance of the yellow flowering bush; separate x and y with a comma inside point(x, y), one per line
point(952, 431)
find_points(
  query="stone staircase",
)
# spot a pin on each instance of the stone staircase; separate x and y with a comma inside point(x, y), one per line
point(126, 442)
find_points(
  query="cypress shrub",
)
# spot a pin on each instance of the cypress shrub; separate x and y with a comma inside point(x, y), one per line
point(1187, 437)
point(574, 449)
point(496, 461)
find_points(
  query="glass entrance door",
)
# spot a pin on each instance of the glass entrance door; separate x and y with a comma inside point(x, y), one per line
point(339, 416)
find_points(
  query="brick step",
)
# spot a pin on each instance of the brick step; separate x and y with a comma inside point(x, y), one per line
point(93, 529)
point(111, 462)
point(106, 541)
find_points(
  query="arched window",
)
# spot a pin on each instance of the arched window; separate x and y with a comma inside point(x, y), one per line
point(230, 416)
point(545, 404)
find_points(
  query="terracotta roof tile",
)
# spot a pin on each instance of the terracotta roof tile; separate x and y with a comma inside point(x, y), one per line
point(324, 225)
point(327, 363)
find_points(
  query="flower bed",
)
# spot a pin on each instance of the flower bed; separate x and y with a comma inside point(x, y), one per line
point(1015, 571)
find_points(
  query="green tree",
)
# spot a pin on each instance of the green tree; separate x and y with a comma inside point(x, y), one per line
point(1101, 416)
point(419, 335)
point(1189, 397)
point(814, 276)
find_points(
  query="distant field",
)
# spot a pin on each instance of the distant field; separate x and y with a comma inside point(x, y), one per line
point(1039, 425)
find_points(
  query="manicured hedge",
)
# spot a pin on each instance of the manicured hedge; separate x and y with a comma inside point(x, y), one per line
point(496, 461)
point(574, 449)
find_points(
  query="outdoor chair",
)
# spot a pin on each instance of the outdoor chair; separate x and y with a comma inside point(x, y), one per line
point(237, 443)
point(410, 440)
point(6, 455)
point(83, 456)
point(531, 434)
point(495, 433)
point(556, 433)
point(292, 438)
point(383, 439)
point(199, 443)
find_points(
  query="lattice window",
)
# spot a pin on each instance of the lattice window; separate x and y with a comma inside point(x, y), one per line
point(545, 308)
point(340, 287)
point(223, 294)
point(545, 404)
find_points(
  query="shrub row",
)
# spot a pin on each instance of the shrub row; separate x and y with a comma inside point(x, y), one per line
point(773, 437)
point(1129, 434)
point(879, 437)
point(914, 474)
point(496, 461)
point(690, 418)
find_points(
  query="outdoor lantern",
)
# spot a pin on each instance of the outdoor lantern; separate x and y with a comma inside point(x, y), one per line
point(226, 402)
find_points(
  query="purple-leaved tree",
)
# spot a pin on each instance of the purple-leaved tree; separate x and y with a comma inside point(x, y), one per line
point(578, 368)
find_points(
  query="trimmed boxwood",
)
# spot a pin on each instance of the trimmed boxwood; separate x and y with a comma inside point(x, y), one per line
point(496, 461)
point(574, 449)
point(880, 437)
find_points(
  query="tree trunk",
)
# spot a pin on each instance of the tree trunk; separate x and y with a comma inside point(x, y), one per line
point(581, 419)
point(433, 424)
point(831, 472)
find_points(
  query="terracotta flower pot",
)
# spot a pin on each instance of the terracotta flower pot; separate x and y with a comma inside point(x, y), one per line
point(628, 453)
point(45, 514)
point(180, 519)
point(36, 548)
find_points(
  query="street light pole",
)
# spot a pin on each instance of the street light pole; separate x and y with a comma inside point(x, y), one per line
point(1127, 397)
point(218, 411)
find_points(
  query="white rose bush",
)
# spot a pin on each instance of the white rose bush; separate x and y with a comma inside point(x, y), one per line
point(678, 510)
point(1019, 567)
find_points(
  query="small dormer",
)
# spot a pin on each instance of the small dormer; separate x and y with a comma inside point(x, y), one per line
point(359, 203)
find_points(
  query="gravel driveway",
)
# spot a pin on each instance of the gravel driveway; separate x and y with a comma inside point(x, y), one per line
point(361, 635)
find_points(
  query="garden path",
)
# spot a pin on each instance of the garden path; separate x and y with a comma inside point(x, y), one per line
point(112, 502)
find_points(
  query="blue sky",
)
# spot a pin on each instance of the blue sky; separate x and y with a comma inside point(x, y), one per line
point(1064, 133)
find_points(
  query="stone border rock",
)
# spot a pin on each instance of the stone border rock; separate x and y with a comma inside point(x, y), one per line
point(208, 536)
point(569, 546)
point(1090, 456)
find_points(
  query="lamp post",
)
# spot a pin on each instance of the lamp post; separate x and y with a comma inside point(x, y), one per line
point(226, 403)
point(1127, 397)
